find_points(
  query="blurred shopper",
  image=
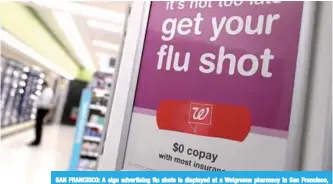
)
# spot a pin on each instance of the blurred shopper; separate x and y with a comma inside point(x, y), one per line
point(49, 118)
point(44, 106)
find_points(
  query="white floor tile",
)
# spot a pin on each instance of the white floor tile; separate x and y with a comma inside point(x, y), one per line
point(25, 165)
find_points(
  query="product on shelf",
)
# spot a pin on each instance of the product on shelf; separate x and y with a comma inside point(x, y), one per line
point(101, 120)
point(87, 164)
point(94, 118)
point(6, 75)
point(12, 95)
point(90, 147)
point(32, 91)
point(3, 64)
point(93, 132)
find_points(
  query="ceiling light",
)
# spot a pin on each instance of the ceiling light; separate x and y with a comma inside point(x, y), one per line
point(104, 62)
point(103, 59)
point(102, 55)
point(104, 26)
point(14, 43)
point(110, 70)
point(83, 10)
point(66, 22)
point(105, 45)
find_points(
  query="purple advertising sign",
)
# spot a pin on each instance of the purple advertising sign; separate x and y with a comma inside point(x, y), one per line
point(223, 52)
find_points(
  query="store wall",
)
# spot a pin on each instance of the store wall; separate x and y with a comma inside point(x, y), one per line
point(318, 136)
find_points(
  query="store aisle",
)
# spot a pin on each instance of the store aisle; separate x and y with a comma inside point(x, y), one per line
point(25, 165)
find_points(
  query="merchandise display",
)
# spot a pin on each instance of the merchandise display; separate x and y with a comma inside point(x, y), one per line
point(91, 119)
point(33, 89)
point(92, 138)
point(19, 92)
point(87, 165)
point(2, 65)
point(5, 77)
point(20, 86)
point(10, 94)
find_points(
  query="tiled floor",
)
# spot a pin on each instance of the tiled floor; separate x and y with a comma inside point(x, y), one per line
point(25, 165)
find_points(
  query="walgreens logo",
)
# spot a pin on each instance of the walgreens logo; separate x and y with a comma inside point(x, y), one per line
point(212, 120)
point(200, 114)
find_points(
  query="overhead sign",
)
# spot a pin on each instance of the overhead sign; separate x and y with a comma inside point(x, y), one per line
point(215, 86)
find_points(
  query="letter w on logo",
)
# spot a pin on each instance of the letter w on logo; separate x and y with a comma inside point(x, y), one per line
point(200, 114)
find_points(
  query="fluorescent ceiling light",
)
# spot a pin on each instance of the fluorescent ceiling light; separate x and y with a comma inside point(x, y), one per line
point(102, 55)
point(104, 61)
point(83, 10)
point(105, 45)
point(16, 44)
point(66, 22)
point(109, 70)
point(95, 24)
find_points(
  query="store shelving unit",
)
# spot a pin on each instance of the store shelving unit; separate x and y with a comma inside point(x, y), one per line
point(20, 86)
point(33, 90)
point(90, 124)
point(92, 138)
